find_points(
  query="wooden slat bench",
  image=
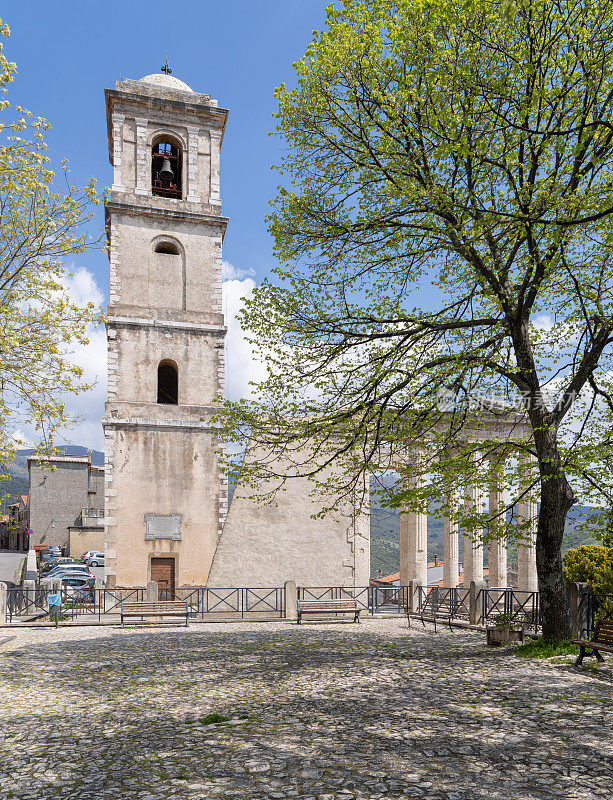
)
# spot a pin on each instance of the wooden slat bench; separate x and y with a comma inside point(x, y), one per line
point(161, 608)
point(346, 606)
point(601, 640)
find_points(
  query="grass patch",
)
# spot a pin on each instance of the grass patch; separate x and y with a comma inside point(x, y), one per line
point(211, 719)
point(541, 648)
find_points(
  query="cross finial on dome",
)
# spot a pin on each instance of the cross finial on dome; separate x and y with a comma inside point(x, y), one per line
point(166, 68)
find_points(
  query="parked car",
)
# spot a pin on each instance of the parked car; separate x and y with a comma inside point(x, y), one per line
point(55, 562)
point(61, 572)
point(87, 555)
point(95, 559)
point(77, 588)
point(70, 566)
point(49, 554)
point(87, 580)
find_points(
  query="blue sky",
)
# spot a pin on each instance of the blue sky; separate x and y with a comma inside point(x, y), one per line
point(238, 51)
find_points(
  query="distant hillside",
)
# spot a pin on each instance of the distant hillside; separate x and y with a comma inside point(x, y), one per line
point(18, 482)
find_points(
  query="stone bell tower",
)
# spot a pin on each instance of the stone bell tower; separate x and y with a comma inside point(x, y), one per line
point(166, 495)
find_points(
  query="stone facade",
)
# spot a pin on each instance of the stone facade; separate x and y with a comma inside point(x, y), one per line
point(166, 489)
point(63, 491)
point(162, 460)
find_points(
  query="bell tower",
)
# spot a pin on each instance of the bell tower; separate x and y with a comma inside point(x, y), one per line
point(166, 494)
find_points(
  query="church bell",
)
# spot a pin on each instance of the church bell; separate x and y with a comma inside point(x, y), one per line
point(166, 173)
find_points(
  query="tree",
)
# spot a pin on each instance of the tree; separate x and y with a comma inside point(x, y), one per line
point(43, 219)
point(445, 226)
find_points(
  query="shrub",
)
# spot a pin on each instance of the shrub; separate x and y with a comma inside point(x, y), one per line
point(590, 563)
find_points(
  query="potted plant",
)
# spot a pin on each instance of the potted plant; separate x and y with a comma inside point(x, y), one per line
point(504, 630)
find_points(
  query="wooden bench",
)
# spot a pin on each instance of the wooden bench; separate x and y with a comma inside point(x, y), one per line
point(166, 608)
point(347, 606)
point(601, 640)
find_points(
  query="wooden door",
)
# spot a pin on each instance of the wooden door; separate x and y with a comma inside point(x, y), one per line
point(163, 573)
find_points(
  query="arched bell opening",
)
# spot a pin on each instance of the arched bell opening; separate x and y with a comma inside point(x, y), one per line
point(166, 169)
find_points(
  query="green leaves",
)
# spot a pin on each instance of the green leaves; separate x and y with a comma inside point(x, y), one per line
point(42, 228)
point(444, 223)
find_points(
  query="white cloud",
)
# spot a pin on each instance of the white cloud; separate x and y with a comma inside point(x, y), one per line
point(543, 322)
point(82, 288)
point(22, 440)
point(241, 366)
point(232, 273)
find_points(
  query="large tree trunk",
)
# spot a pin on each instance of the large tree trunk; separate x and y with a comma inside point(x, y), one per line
point(556, 500)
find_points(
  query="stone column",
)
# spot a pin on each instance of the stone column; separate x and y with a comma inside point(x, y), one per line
point(414, 543)
point(451, 573)
point(527, 580)
point(475, 602)
point(473, 546)
point(497, 546)
point(151, 592)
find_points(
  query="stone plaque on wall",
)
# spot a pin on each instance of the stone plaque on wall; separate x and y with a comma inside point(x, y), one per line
point(163, 526)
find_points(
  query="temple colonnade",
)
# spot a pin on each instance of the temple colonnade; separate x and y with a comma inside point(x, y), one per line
point(414, 539)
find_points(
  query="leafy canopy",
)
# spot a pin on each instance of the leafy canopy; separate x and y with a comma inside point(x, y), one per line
point(444, 224)
point(43, 219)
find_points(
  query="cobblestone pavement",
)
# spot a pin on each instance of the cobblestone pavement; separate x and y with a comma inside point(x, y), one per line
point(321, 711)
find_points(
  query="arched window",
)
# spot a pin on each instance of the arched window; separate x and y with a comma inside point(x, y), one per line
point(168, 247)
point(166, 170)
point(168, 384)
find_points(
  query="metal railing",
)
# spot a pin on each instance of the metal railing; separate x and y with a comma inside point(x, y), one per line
point(599, 607)
point(205, 601)
point(361, 594)
point(371, 599)
point(515, 606)
point(25, 603)
point(433, 602)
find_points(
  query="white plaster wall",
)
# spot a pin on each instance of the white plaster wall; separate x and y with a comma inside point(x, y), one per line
point(265, 545)
point(161, 471)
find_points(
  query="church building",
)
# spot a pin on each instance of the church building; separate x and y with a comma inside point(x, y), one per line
point(166, 493)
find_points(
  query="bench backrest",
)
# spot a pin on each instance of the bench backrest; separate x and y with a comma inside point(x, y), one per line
point(349, 603)
point(169, 605)
point(604, 632)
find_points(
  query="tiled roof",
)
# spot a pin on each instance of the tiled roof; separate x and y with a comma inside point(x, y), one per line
point(396, 575)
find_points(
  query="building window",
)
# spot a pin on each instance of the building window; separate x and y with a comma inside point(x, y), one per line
point(167, 247)
point(166, 170)
point(168, 384)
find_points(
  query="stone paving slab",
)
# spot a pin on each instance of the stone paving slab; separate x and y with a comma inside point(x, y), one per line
point(320, 711)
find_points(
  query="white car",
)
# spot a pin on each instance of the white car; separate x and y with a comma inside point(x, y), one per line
point(94, 558)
